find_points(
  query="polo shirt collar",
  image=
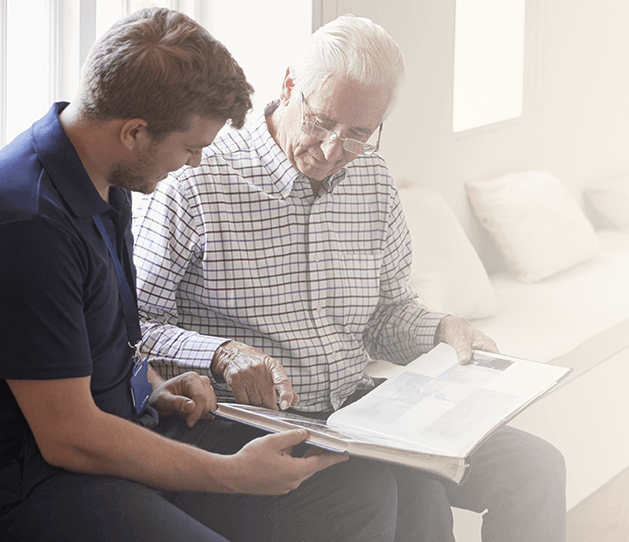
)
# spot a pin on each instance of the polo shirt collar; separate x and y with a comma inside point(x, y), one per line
point(63, 165)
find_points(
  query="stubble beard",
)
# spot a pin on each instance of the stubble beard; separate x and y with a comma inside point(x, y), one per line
point(134, 175)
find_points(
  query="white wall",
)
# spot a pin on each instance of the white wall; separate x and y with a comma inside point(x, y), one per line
point(576, 99)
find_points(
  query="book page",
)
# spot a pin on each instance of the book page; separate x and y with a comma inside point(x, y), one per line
point(439, 406)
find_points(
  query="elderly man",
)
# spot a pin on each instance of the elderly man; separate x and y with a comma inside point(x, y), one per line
point(94, 446)
point(287, 246)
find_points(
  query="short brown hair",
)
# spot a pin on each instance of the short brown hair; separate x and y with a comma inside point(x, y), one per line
point(163, 67)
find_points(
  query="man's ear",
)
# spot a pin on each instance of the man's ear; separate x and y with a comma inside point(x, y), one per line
point(133, 132)
point(288, 85)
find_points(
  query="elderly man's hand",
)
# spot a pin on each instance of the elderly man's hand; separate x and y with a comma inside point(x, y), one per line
point(254, 377)
point(458, 333)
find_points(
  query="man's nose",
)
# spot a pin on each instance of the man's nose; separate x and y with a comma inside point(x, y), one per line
point(332, 149)
point(194, 160)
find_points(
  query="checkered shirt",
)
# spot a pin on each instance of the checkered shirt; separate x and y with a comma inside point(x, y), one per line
point(239, 248)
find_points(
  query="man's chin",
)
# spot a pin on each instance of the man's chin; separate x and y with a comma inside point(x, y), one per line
point(148, 187)
point(318, 174)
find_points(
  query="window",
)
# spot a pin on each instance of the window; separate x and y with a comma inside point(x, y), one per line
point(488, 62)
point(43, 44)
point(29, 50)
point(261, 41)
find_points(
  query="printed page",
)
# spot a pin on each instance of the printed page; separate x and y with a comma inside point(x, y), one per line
point(439, 406)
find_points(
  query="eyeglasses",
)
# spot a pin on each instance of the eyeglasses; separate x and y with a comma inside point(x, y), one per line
point(350, 145)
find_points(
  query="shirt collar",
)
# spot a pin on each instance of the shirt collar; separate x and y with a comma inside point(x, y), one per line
point(63, 165)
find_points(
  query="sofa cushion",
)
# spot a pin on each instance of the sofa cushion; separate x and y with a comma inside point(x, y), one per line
point(447, 273)
point(536, 224)
point(576, 318)
point(610, 200)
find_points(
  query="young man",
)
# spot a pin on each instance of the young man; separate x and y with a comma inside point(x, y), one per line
point(288, 243)
point(94, 445)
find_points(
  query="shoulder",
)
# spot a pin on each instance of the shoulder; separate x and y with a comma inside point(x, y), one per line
point(20, 173)
point(230, 141)
point(371, 175)
point(230, 156)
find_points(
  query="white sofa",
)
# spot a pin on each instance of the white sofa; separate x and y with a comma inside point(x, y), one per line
point(560, 311)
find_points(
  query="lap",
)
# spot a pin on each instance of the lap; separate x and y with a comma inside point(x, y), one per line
point(507, 462)
point(77, 507)
point(354, 500)
point(517, 478)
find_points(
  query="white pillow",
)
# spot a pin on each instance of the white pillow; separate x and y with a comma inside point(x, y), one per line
point(447, 274)
point(610, 200)
point(535, 223)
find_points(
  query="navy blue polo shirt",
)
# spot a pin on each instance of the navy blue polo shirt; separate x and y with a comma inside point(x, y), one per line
point(60, 310)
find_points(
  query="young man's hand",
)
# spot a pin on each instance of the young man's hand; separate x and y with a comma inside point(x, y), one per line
point(188, 395)
point(265, 465)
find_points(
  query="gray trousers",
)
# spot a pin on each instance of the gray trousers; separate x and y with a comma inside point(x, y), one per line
point(517, 480)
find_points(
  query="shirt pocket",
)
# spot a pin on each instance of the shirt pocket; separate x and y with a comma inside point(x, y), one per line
point(359, 289)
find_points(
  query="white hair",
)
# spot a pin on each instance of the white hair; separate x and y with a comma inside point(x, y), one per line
point(356, 48)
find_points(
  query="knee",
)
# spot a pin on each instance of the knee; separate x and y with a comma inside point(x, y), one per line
point(521, 460)
point(373, 483)
point(542, 464)
point(552, 465)
point(372, 491)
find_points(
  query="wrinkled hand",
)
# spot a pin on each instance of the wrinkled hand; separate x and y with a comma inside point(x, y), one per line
point(254, 377)
point(459, 334)
point(265, 465)
point(189, 395)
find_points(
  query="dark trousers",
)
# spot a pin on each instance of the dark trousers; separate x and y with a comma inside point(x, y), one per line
point(351, 501)
point(517, 480)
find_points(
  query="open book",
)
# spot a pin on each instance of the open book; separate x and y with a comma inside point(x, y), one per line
point(431, 415)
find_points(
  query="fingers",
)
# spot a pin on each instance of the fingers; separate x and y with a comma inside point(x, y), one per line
point(287, 439)
point(485, 343)
point(313, 461)
point(201, 400)
point(251, 385)
point(189, 395)
point(312, 450)
point(265, 466)
point(464, 338)
point(254, 377)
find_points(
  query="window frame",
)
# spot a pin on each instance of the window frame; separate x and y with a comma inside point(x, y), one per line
point(71, 18)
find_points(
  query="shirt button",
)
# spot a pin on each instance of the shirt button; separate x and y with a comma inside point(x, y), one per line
point(317, 257)
point(319, 309)
point(335, 356)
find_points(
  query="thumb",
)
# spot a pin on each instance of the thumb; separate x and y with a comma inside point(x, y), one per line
point(283, 387)
point(464, 354)
point(177, 403)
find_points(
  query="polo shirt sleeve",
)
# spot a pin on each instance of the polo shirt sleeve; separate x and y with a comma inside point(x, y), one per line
point(166, 243)
point(42, 327)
